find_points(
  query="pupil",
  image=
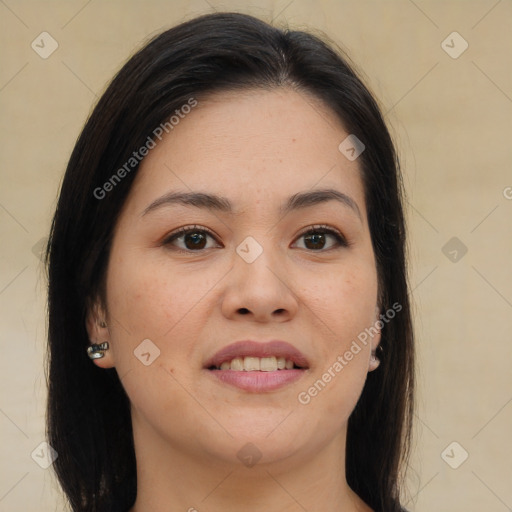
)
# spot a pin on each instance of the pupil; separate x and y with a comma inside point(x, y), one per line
point(317, 239)
point(196, 238)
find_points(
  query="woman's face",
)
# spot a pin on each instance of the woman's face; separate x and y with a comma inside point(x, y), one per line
point(253, 271)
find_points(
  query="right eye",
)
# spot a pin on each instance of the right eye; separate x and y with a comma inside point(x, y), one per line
point(192, 238)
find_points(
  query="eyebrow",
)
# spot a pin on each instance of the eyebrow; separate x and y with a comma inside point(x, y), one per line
point(222, 204)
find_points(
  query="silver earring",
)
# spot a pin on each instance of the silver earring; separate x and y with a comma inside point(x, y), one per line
point(97, 351)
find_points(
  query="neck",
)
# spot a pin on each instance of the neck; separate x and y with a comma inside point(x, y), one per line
point(170, 478)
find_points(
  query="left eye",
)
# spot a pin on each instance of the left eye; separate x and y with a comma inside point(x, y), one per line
point(315, 239)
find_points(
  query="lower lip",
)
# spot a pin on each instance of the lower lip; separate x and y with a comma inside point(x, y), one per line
point(258, 382)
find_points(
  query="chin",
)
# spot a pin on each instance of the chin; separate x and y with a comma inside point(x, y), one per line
point(263, 439)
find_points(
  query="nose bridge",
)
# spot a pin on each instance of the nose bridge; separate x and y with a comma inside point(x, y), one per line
point(258, 263)
point(259, 281)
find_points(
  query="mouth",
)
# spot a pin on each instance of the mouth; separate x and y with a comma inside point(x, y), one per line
point(258, 367)
point(257, 364)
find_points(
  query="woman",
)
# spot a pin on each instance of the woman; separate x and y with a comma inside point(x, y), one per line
point(229, 327)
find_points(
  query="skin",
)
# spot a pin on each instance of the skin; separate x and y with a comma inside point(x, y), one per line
point(256, 148)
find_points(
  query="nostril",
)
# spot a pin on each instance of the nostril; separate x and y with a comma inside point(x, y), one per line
point(243, 311)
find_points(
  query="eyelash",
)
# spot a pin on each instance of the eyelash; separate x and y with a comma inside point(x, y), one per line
point(315, 229)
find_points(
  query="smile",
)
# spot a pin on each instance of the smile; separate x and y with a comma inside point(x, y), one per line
point(257, 364)
point(258, 367)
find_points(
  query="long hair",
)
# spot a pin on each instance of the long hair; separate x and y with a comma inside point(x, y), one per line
point(88, 412)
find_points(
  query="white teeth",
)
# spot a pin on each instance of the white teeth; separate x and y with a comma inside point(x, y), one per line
point(268, 364)
point(252, 364)
point(237, 364)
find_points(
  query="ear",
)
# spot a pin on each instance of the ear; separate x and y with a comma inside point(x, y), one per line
point(98, 331)
point(374, 361)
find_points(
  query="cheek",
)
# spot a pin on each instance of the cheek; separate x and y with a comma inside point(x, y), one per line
point(343, 304)
point(342, 300)
point(150, 297)
point(334, 388)
point(147, 300)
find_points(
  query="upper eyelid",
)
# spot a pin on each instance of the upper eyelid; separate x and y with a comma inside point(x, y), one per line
point(318, 227)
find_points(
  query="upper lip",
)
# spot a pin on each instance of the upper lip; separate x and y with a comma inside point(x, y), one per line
point(249, 348)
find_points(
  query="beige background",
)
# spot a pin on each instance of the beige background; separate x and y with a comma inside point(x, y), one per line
point(452, 122)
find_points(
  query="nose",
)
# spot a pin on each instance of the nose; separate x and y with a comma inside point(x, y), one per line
point(260, 291)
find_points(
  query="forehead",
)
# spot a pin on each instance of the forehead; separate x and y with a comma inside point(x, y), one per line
point(254, 146)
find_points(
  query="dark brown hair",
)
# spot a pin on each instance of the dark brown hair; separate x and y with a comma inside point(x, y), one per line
point(88, 413)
